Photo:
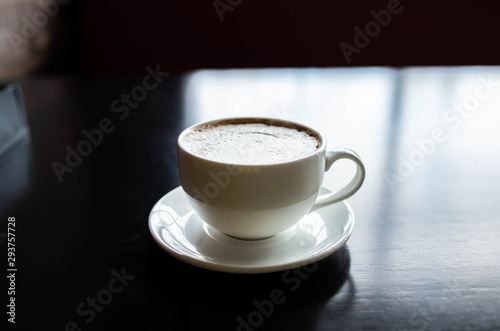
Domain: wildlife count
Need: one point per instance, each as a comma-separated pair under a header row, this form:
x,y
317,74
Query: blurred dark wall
x,y
125,36
66,54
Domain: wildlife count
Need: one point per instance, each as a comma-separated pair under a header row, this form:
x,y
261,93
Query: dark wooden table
x,y
423,255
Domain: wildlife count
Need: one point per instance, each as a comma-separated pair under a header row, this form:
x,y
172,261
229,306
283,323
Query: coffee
x,y
253,192
251,143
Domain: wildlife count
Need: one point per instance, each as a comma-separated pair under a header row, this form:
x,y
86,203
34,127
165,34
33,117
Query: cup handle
x,y
349,189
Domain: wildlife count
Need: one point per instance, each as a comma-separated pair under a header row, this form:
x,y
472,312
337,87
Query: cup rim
x,y
321,148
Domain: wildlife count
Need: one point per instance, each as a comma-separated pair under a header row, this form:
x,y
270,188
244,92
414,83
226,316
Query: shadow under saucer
x,y
287,299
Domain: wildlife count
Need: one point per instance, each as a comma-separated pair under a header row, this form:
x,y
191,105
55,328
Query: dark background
x,y
423,259
107,37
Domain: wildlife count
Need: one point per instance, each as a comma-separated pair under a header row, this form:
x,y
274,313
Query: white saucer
x,y
182,234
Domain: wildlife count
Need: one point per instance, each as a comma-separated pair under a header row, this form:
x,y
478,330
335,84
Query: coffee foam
x,y
250,143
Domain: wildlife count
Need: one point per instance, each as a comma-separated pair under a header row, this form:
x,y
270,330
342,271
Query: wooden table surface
x,y
423,254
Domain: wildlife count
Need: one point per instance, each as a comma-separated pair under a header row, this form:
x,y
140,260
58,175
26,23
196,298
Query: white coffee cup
x,y
258,201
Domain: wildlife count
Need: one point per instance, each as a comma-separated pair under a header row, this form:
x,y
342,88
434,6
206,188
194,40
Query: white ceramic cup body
x,y
256,201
